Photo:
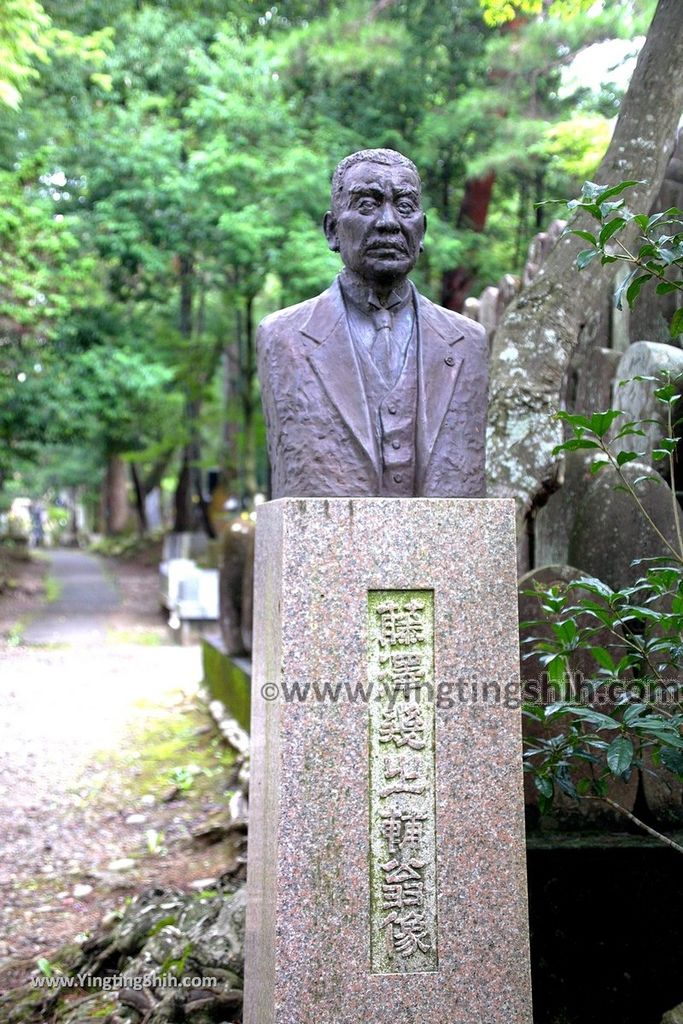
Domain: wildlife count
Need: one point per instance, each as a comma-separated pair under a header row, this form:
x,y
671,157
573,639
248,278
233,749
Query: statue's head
x,y
376,221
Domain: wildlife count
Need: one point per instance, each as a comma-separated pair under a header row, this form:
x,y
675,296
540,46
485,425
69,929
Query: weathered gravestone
x,y
234,546
554,520
637,397
651,315
594,525
489,309
594,379
386,843
248,594
609,531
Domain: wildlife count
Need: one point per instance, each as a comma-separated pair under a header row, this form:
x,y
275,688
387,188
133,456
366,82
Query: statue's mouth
x,y
394,249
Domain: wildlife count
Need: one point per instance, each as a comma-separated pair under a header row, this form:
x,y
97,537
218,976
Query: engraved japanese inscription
x,y
403,916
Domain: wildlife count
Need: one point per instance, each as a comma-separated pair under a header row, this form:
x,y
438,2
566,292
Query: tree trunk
x,y
115,497
184,511
139,492
542,329
474,209
229,466
156,473
186,270
75,525
191,508
248,403
194,452
184,518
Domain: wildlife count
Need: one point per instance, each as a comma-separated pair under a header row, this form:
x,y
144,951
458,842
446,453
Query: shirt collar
x,y
357,291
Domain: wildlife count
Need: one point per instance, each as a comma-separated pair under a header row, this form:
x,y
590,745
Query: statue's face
x,y
378,224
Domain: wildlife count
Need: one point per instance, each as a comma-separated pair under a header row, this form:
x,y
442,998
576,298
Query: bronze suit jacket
x,y
320,436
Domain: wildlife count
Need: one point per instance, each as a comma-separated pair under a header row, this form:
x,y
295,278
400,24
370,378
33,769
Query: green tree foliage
x,y
23,42
29,41
166,173
46,275
497,12
46,272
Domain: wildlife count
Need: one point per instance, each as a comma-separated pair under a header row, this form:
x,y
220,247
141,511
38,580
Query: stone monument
x,y
386,876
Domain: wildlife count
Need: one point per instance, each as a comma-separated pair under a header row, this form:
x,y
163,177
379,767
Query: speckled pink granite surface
x,y
308,930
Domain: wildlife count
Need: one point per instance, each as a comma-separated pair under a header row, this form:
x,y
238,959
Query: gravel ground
x,y
94,729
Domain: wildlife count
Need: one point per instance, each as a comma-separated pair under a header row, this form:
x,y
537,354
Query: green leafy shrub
x,y
628,715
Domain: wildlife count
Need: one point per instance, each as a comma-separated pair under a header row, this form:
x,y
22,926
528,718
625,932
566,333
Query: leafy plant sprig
x,y
656,253
628,715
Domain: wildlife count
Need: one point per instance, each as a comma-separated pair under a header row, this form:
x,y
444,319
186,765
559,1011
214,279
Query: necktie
x,y
383,348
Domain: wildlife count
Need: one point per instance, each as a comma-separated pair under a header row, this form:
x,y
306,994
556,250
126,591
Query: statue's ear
x,y
330,229
424,232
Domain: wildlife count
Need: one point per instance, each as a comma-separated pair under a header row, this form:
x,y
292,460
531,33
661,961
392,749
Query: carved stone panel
x,y
402,782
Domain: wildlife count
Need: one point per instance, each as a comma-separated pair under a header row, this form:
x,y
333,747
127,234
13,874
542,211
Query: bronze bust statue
x,y
370,389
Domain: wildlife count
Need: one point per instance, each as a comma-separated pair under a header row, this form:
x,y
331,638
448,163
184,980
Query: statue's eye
x,y
366,205
405,206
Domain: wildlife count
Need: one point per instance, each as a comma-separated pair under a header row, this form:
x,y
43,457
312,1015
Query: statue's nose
x,y
387,217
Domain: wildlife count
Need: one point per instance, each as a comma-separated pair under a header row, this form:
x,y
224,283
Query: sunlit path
x,y
91,725
85,595
70,726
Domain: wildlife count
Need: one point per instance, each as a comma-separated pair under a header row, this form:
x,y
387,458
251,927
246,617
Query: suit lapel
x,y
334,363
439,366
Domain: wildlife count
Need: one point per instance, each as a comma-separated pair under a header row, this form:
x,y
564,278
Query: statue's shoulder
x,y
447,321
284,320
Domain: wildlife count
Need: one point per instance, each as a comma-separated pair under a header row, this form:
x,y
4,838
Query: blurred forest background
x,y
164,169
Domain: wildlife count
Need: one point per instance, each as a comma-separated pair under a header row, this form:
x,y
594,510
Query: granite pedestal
x,y
386,878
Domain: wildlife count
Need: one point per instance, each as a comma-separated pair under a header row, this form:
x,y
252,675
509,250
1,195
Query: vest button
x,y
398,478
449,361
392,409
396,445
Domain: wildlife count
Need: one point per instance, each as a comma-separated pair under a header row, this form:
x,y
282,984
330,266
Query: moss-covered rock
x,y
169,956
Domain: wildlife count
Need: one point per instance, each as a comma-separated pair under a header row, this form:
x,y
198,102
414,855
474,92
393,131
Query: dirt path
x,y
109,762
